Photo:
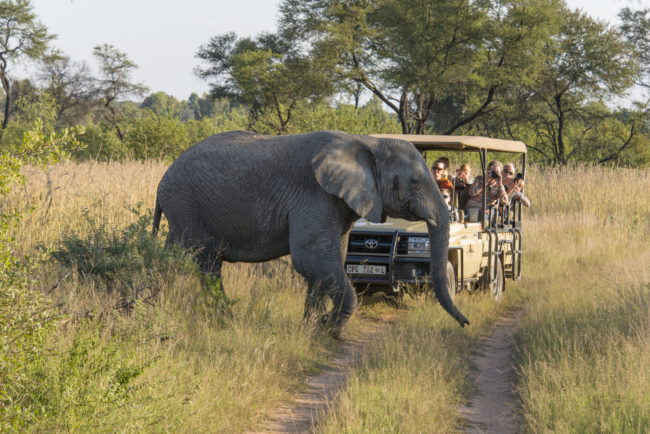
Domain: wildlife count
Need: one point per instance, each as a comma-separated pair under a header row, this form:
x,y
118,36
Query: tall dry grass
x,y
147,349
141,346
69,197
585,342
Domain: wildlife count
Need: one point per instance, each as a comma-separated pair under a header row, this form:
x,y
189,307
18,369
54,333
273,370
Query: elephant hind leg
x,y
210,260
208,254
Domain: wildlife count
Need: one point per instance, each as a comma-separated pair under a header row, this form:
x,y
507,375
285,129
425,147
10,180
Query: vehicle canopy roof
x,y
457,143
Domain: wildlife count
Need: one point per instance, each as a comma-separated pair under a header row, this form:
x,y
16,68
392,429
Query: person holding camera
x,y
496,191
514,185
463,178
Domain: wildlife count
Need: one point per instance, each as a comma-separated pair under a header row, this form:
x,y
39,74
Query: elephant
x,y
240,196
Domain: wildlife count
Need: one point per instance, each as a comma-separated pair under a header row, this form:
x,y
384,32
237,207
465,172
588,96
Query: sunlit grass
x,y
584,341
415,376
141,346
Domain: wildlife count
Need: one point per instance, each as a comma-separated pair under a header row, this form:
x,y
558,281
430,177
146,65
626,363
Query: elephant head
x,y
383,177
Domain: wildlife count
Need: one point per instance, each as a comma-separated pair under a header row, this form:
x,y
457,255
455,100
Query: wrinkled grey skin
x,y
238,196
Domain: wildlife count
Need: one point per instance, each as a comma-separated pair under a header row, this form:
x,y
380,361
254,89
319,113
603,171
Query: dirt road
x,y
492,408
310,406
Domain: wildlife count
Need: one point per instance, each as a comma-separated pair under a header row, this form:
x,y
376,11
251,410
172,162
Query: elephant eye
x,y
415,182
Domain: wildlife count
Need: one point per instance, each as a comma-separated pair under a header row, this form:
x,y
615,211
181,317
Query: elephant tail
x,y
156,218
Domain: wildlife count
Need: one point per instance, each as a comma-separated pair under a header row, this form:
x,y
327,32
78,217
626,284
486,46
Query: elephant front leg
x,y
315,305
317,251
326,277
344,303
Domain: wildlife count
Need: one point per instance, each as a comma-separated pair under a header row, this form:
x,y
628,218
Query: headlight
x,y
418,245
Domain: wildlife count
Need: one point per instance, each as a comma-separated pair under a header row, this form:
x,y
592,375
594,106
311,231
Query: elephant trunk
x,y
438,245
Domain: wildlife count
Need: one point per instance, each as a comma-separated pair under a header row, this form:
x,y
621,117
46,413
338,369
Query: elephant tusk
x,y
431,222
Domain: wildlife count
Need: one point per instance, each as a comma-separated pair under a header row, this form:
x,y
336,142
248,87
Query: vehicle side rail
x,y
460,267
493,253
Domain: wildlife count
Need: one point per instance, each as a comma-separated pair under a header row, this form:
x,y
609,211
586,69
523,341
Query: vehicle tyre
x,y
495,288
451,281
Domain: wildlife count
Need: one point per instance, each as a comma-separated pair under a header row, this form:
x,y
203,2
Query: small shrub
x,y
117,255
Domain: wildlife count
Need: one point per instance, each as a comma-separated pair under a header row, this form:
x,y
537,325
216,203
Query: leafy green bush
x,y
118,256
26,316
68,377
102,144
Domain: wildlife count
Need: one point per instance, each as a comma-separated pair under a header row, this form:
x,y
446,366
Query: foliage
x,y
635,27
102,144
21,36
266,75
437,65
156,136
369,119
26,316
513,69
36,107
162,104
586,61
115,255
115,82
72,87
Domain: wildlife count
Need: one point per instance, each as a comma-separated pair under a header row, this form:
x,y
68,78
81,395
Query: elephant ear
x,y
346,168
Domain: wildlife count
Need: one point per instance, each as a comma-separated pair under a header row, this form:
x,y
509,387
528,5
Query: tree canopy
x,y
437,65
115,83
531,70
266,75
21,36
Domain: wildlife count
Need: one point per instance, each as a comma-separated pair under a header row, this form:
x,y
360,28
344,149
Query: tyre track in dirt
x,y
310,406
493,407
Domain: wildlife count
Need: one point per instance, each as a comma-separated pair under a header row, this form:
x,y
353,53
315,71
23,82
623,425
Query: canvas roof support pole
x,y
483,154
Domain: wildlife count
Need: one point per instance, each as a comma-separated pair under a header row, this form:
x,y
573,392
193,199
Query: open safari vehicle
x,y
484,248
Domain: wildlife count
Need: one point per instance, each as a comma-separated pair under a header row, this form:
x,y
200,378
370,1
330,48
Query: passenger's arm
x,y
523,199
476,187
503,195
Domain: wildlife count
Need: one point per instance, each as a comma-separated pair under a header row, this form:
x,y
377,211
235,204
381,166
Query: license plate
x,y
366,269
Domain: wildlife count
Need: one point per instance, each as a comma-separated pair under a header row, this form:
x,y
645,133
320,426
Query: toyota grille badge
x,y
371,244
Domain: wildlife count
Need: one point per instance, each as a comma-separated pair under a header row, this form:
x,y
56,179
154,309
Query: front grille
x,y
359,243
402,246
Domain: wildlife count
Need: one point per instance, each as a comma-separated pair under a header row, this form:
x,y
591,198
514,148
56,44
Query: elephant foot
x,y
334,328
335,333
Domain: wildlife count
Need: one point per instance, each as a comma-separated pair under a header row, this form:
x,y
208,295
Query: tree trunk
x,y
6,85
561,159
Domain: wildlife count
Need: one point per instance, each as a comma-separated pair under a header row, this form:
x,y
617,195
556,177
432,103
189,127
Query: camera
x,y
494,175
519,176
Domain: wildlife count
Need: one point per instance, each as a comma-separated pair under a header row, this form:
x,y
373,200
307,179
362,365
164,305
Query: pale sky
x,y
163,36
